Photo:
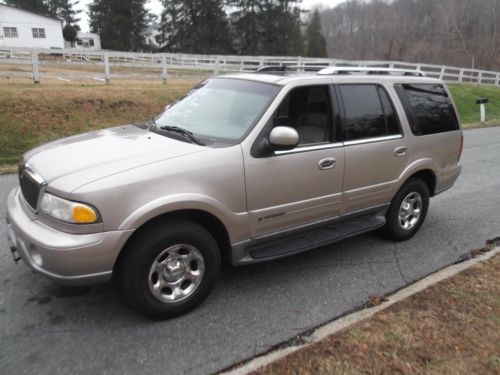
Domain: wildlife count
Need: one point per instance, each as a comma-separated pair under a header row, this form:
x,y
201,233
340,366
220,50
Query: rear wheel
x,y
407,210
169,268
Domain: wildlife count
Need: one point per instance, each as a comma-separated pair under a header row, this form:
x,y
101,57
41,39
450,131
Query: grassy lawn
x,y
452,327
34,114
465,97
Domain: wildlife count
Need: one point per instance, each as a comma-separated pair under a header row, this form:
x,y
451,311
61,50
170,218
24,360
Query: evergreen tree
x,y
65,11
316,44
69,34
35,6
267,27
119,23
288,39
249,33
195,26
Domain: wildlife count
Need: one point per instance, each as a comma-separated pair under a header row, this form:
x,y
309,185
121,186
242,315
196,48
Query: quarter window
x,y
10,32
429,108
368,112
38,32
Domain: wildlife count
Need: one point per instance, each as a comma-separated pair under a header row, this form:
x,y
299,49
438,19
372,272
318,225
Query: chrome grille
x,y
30,184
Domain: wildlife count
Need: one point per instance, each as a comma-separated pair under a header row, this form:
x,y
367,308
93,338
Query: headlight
x,y
65,210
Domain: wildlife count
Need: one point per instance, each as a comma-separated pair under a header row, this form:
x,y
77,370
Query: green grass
x,y
465,97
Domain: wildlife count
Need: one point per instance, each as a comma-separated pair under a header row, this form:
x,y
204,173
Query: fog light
x,y
35,256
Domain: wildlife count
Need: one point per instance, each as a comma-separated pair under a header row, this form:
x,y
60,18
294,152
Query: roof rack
x,y
290,68
370,70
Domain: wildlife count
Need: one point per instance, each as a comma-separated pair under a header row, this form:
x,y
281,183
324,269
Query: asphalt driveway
x,y
47,329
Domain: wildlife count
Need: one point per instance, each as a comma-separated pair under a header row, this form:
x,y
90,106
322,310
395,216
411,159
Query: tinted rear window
x,y
428,108
368,112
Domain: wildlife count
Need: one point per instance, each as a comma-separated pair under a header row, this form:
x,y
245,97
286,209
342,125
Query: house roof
x,y
82,34
27,11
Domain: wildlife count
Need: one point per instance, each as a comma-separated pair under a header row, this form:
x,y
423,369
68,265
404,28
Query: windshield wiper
x,y
184,132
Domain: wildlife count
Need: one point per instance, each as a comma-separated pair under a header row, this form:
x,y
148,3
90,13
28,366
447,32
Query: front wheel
x,y
407,210
169,268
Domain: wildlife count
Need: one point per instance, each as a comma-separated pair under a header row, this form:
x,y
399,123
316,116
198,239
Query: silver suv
x,y
244,168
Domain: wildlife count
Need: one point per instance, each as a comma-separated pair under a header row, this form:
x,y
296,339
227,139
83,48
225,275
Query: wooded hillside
x,y
451,32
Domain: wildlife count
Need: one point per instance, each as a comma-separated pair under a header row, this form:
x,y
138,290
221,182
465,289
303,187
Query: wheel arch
x,y
203,218
429,177
424,169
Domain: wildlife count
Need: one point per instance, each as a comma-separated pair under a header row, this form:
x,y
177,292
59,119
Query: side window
x,y
10,32
38,32
308,110
391,121
428,108
368,112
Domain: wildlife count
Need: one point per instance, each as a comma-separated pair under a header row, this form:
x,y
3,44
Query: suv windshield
x,y
219,109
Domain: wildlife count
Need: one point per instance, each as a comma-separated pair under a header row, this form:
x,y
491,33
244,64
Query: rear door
x,y
376,150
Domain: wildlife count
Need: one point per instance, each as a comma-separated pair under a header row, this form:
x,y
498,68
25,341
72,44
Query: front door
x,y
289,189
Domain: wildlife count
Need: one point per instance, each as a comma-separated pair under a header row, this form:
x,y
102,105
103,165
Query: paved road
x,y
46,329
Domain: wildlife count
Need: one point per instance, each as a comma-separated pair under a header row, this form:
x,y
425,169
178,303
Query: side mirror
x,y
283,138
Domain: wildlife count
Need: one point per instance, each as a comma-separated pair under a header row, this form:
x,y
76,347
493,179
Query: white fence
x,y
157,65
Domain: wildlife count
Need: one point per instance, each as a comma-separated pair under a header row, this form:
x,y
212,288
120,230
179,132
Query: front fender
x,y
236,223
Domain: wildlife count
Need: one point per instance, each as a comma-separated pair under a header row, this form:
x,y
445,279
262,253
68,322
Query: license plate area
x,y
11,235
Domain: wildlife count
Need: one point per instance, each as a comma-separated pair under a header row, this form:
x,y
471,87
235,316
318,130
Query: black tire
x,y
393,228
143,251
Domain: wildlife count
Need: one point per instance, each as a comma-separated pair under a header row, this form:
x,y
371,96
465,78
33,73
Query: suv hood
x,y
71,162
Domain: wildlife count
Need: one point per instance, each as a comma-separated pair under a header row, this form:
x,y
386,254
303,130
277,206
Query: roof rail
x,y
370,70
290,68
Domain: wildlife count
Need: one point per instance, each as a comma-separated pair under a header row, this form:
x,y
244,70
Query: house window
x,y
79,42
38,32
91,42
10,32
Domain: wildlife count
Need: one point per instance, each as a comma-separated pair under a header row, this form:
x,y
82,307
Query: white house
x,y
87,41
20,28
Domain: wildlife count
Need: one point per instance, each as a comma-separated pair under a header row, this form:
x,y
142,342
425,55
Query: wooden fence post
x,y
34,65
497,83
164,67
106,68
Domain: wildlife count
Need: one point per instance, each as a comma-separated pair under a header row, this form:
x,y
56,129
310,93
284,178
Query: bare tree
x,y
451,32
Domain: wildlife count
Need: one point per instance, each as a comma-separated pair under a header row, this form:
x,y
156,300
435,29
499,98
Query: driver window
x,y
308,110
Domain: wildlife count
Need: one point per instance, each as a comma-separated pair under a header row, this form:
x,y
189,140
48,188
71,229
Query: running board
x,y
314,238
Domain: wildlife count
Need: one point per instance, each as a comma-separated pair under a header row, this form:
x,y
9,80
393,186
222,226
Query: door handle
x,y
327,163
400,151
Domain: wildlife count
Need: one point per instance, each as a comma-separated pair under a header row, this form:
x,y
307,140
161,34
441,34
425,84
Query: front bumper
x,y
71,259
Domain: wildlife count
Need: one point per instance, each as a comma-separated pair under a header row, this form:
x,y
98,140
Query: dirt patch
x,y
452,327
